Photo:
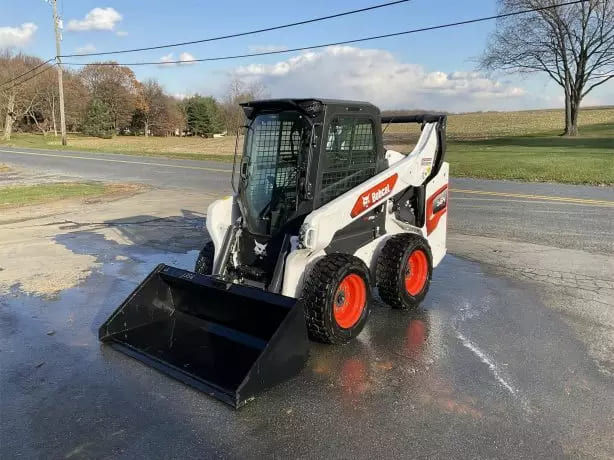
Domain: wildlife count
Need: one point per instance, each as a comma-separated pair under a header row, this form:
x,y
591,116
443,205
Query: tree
x,y
573,45
175,119
156,113
45,104
114,85
98,120
203,115
77,99
17,99
239,92
151,107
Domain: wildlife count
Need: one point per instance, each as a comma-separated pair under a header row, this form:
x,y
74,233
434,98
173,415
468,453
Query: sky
x,y
434,70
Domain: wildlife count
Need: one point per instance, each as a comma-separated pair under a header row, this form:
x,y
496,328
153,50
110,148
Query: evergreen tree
x,y
203,115
98,120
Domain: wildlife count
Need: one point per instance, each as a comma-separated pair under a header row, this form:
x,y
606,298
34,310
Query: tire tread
x,y
389,265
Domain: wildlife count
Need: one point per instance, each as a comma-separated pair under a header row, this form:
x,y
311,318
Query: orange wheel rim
x,y
349,301
417,272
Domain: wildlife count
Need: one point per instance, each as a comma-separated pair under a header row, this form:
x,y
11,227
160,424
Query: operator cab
x,y
298,155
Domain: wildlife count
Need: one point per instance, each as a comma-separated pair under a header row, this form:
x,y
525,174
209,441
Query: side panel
x,y
435,228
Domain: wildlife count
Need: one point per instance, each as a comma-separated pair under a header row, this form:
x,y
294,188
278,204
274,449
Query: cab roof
x,y
297,102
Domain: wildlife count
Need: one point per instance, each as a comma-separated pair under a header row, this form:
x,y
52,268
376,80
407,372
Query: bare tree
x,y
572,44
42,112
237,92
18,98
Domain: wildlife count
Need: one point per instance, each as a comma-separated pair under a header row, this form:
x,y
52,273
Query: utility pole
x,y
58,61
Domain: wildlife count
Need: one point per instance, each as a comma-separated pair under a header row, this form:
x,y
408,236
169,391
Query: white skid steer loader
x,y
321,215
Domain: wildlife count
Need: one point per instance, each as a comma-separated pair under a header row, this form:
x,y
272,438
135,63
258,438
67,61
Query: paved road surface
x,y
568,216
509,356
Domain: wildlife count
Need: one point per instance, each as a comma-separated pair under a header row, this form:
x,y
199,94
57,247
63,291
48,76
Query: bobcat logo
x,y
260,249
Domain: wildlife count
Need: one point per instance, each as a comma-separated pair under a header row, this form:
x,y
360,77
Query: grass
x,y
495,145
181,148
488,125
585,160
23,195
524,146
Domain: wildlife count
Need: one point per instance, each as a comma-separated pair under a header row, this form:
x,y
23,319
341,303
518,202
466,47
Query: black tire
x,y
393,267
204,263
322,291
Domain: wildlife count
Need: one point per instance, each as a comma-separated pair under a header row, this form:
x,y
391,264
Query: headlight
x,y
440,201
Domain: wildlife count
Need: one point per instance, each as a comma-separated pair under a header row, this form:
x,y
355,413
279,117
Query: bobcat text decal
x,y
374,195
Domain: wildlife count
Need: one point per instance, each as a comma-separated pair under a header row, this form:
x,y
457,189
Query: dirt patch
x,y
36,242
4,168
114,192
42,267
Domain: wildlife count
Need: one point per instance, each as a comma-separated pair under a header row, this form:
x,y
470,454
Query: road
x,y
567,216
509,356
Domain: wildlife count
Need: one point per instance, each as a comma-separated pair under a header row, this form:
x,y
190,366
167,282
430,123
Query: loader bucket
x,y
227,340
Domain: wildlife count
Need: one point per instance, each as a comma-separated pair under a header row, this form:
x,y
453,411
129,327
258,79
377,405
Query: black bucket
x,y
227,340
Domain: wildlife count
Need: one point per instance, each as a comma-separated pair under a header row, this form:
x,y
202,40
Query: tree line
x,y
105,100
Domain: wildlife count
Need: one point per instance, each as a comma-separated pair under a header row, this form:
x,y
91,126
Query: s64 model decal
x,y
374,195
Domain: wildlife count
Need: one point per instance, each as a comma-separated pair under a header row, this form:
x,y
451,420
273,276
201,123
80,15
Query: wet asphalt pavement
x,y
482,370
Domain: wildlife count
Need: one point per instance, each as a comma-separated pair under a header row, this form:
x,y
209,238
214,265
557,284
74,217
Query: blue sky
x,y
434,70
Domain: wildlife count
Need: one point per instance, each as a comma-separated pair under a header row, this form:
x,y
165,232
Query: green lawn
x,y
588,159
21,195
179,148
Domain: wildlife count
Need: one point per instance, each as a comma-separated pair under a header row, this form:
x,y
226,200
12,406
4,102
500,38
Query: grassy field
x,y
497,145
487,125
585,160
183,148
23,195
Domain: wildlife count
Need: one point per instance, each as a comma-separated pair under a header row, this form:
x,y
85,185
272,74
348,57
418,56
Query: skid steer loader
x,y
320,216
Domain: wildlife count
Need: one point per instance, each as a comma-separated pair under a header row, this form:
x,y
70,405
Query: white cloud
x,y
169,60
121,33
186,57
379,77
266,48
87,48
17,36
97,19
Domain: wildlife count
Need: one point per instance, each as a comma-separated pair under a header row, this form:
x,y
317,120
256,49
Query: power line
x,y
344,42
27,72
242,34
